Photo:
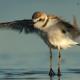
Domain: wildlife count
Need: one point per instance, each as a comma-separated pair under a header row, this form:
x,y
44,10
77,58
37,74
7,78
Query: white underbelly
x,y
62,42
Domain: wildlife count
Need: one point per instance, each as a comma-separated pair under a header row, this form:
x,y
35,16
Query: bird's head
x,y
39,19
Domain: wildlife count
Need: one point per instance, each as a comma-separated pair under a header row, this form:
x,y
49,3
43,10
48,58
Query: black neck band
x,y
45,22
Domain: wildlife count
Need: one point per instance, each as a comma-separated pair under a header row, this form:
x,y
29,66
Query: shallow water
x,y
22,74
14,67
32,61
26,57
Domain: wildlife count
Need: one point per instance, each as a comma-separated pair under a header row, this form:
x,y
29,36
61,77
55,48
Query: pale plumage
x,y
58,34
55,32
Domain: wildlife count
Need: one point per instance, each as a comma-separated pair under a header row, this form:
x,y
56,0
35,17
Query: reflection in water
x,y
18,74
23,74
58,77
51,78
77,71
58,74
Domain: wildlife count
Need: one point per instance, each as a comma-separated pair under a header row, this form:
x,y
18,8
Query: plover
x,y
55,32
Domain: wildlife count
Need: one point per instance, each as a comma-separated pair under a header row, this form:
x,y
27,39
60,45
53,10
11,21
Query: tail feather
x,y
77,29
75,24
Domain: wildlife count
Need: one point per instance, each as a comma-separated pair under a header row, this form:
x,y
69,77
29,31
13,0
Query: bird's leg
x,y
59,61
51,72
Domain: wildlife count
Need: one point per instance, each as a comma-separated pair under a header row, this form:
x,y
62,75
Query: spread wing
x,y
19,25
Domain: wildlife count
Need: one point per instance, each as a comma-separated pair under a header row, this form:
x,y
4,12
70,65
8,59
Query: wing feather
x,y
67,27
20,25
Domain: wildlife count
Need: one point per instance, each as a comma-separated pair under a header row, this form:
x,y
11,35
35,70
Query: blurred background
x,y
22,51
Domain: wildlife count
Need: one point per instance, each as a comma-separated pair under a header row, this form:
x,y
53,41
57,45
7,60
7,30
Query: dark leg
x,y
59,62
51,72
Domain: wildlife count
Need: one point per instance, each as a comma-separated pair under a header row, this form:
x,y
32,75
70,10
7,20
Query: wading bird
x,y
55,32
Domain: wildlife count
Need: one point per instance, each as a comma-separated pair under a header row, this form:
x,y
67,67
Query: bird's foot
x,y
51,72
59,72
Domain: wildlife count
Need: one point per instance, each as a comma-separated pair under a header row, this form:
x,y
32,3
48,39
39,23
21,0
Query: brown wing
x,y
73,31
20,25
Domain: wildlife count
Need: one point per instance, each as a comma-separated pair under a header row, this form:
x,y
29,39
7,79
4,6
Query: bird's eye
x,y
41,19
63,31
